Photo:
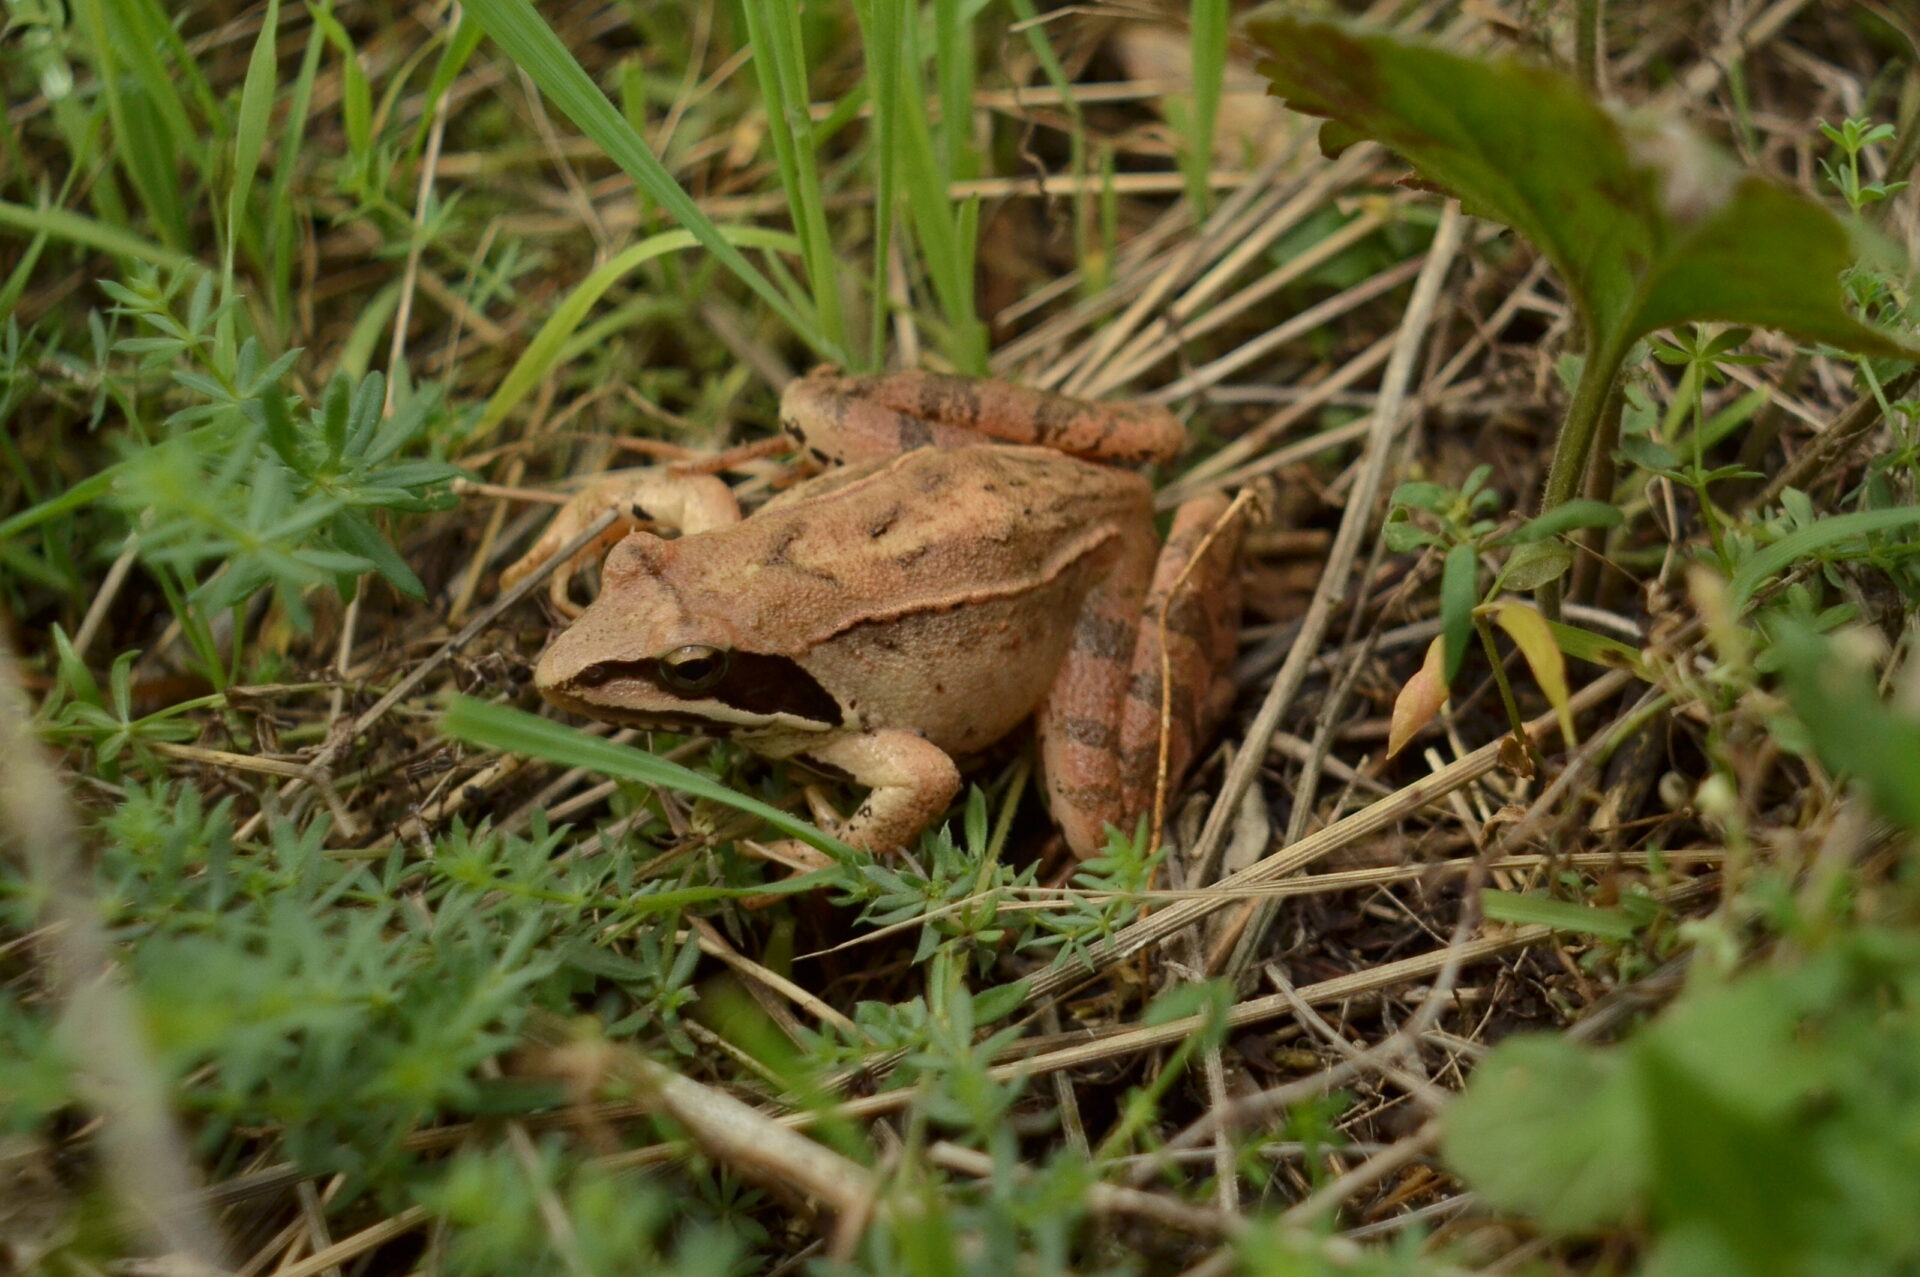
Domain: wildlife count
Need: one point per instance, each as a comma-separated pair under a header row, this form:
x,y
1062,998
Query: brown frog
x,y
929,593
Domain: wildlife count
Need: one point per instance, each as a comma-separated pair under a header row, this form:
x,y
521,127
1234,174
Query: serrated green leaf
x,y
1553,1130
1649,224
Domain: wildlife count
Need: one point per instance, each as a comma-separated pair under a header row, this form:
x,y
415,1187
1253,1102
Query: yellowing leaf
x,y
1420,699
1532,634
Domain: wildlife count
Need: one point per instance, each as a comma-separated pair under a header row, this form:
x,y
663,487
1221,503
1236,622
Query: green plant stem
x,y
1515,724
1588,17
1906,148
1575,444
1602,475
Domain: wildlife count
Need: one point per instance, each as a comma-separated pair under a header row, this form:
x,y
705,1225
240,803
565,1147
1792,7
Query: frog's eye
x,y
693,668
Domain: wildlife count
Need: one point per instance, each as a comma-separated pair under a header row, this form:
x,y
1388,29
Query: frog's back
x,y
926,532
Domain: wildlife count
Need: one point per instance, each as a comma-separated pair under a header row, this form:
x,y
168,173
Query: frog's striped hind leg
x,y
841,419
1079,725
1100,731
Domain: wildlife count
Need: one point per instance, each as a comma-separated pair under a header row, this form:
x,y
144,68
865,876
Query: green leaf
x,y
1561,915
1647,222
999,1002
1649,454
77,228
1809,540
1578,513
1853,730
1534,564
1401,536
1534,637
780,63
1431,497
1585,645
1553,1130
357,534
250,131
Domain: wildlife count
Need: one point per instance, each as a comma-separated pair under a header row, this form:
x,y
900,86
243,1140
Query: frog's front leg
x,y
842,419
1101,726
910,779
685,502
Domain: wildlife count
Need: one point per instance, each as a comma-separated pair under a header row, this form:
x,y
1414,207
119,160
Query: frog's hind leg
x,y
844,419
1103,764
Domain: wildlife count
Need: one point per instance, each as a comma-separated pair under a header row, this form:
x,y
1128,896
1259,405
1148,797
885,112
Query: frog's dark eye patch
x,y
760,684
750,682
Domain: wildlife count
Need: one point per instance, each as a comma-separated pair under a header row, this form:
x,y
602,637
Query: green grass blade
x,y
459,47
144,37
953,69
78,228
356,96
140,140
1084,249
780,64
498,727
542,354
1208,53
148,31
880,34
531,43
949,256
283,230
250,133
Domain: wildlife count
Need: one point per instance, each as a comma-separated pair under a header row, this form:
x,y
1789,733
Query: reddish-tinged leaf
x,y
1420,699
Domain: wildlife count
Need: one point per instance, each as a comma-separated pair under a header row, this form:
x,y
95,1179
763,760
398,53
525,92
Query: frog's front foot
x,y
911,781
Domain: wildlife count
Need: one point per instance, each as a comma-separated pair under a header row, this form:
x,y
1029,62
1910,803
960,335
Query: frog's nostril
x,y
597,673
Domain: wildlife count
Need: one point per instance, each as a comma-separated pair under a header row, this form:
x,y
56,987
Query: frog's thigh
x,y
843,419
1116,431
912,781
1108,769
